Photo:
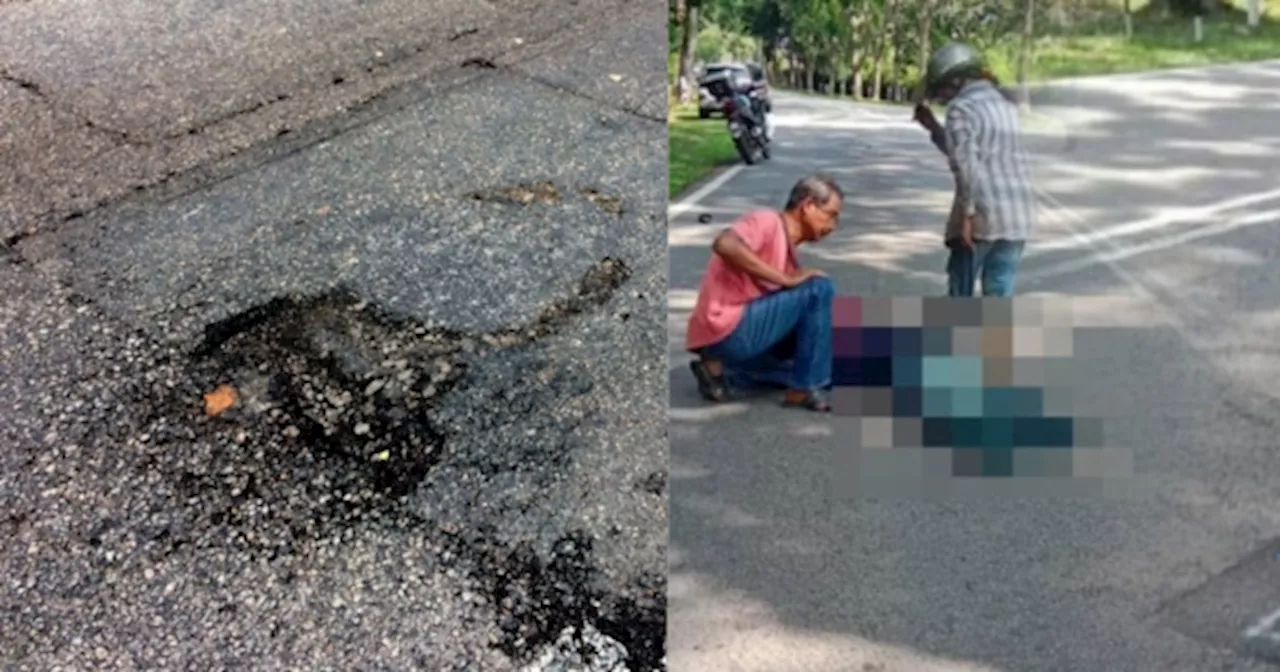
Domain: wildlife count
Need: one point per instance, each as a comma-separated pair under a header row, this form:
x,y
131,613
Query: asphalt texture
x,y
420,248
1156,207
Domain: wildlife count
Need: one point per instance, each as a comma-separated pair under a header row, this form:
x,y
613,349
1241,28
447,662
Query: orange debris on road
x,y
219,400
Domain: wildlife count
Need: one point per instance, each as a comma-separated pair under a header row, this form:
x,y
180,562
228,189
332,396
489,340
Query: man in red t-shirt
x,y
761,317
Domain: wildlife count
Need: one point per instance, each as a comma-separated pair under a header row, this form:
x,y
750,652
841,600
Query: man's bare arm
x,y
924,116
737,254
939,138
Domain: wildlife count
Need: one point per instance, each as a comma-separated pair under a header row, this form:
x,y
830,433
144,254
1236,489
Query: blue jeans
x,y
784,339
995,260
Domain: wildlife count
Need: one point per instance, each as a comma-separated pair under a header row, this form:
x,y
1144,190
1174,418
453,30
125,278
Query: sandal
x,y
710,386
813,401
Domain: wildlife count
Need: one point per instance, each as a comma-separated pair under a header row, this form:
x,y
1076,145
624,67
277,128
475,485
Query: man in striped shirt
x,y
994,212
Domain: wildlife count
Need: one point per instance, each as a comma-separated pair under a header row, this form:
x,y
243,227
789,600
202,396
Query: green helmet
x,y
956,59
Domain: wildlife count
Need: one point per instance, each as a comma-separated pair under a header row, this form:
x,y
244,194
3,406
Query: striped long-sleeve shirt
x,y
993,178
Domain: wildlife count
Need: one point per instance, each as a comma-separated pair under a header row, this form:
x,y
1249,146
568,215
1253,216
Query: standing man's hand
x,y
962,239
924,116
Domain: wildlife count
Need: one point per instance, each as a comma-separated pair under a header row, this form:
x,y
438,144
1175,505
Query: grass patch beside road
x,y
1155,45
695,147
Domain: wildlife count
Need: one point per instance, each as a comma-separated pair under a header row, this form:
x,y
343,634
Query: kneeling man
x,y
760,318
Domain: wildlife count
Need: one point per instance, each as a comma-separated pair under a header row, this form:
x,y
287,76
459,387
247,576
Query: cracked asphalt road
x,y
92,114
425,248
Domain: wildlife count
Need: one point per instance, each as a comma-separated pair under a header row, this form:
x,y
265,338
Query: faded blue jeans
x,y
995,261
783,340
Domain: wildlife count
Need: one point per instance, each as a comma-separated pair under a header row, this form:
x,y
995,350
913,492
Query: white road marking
x,y
1173,319
691,201
1121,252
1165,219
1265,628
192,213
1073,222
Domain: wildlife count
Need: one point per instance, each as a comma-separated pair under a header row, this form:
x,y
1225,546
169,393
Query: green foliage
x,y
717,44
1072,36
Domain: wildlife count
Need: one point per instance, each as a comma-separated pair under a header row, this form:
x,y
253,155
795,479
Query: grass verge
x,y
695,148
1155,45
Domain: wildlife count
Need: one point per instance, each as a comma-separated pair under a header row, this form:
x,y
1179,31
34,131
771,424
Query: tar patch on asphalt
x,y
542,193
332,423
545,193
332,427
1236,609
606,202
541,603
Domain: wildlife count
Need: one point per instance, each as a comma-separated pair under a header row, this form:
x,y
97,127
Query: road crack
x,y
32,87
569,91
490,64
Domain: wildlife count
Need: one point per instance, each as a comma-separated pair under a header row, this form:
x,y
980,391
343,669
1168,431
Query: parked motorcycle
x,y
747,126
746,114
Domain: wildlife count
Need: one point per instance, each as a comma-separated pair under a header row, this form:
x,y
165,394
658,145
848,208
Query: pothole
x,y
553,614
581,649
543,193
610,204
331,420
336,416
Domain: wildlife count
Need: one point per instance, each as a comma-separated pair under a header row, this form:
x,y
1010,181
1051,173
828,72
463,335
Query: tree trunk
x,y
1024,55
1128,19
893,69
925,38
883,40
810,76
857,52
856,59
1060,14
688,47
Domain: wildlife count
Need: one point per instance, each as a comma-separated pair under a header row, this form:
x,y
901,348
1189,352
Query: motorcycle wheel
x,y
746,150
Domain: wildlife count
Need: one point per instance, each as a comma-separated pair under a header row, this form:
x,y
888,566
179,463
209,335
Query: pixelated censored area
x,y
931,390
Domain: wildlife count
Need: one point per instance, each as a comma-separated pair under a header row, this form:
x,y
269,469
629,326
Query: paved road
x,y
438,297
1160,202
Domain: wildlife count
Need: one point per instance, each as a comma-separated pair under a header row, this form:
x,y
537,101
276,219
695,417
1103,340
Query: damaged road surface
x,y
332,419
393,398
